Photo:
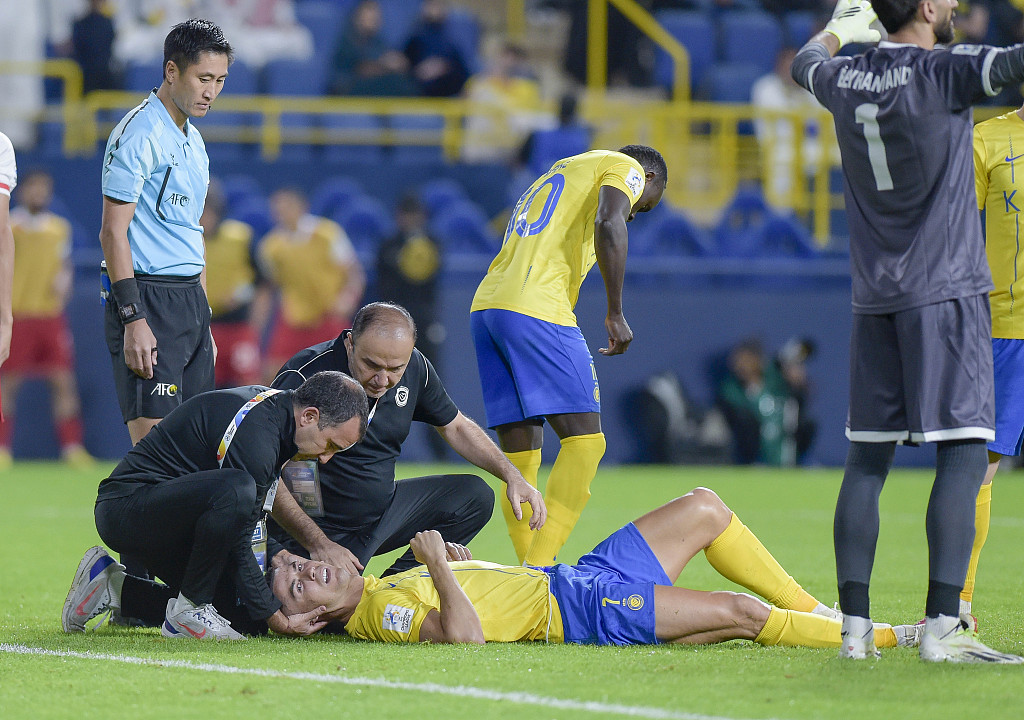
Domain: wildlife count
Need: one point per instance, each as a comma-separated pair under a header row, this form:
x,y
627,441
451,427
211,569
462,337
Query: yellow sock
x,y
739,556
982,518
528,463
567,492
800,629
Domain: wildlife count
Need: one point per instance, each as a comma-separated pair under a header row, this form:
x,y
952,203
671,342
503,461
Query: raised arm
x,y
850,23
457,620
6,276
470,441
610,244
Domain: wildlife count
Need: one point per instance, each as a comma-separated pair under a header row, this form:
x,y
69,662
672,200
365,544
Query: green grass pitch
x,y
112,673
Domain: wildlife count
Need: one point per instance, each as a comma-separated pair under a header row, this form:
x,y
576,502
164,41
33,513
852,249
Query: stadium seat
x,y
239,189
334,195
750,37
367,222
730,82
428,126
399,18
143,77
463,228
254,212
347,128
241,80
438,194
296,77
747,211
550,146
325,19
463,28
669,234
295,131
696,31
799,26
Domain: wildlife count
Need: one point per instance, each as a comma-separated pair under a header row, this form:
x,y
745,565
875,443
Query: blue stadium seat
x,y
241,80
334,195
296,127
783,236
439,193
239,189
669,233
254,212
399,18
751,37
296,77
550,146
325,19
696,31
367,222
354,126
463,228
429,125
747,211
730,82
799,26
463,28
143,77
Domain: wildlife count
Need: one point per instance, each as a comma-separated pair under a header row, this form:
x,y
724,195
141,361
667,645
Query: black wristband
x,y
127,300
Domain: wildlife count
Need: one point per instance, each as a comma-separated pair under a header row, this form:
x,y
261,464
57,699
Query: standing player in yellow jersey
x,y
42,345
534,362
998,159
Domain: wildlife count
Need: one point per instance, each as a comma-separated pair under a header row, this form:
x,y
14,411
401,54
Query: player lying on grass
x,y
622,593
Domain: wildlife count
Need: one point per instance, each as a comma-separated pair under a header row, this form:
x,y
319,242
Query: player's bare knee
x,y
710,509
749,613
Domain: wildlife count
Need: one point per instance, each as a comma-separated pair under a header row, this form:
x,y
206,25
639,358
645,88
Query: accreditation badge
x,y
303,480
259,543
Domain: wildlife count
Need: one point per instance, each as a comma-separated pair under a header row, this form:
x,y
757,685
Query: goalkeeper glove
x,y
850,22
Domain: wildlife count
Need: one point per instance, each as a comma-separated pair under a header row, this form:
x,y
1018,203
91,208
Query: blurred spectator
x,y
315,268
231,281
92,47
438,66
141,26
777,92
408,270
972,20
261,30
504,106
791,362
41,344
1005,27
364,63
21,40
760,406
630,61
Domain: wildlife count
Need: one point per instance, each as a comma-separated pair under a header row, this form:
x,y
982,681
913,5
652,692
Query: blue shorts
x,y
1008,363
531,368
607,598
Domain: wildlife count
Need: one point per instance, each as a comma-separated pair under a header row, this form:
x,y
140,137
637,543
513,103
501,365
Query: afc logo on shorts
x,y
165,390
401,396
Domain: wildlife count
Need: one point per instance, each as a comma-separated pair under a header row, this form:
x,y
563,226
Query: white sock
x,y
114,584
941,626
965,607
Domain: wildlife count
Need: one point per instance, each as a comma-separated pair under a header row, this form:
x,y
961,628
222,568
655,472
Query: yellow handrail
x,y
70,75
597,45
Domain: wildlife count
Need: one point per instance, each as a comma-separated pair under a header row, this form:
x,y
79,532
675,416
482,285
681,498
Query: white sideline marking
x,y
521,698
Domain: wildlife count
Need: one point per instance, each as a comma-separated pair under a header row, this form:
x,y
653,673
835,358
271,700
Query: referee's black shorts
x,y
179,316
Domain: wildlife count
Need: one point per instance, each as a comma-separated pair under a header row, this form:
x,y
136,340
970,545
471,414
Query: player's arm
x,y
355,278
850,23
610,243
457,620
6,276
289,515
470,441
140,351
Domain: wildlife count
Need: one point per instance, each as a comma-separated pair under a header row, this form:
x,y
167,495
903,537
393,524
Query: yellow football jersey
x,y
998,158
513,603
310,266
42,244
230,276
549,244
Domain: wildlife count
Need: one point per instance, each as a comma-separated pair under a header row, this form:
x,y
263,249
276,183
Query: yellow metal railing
x,y
70,75
597,45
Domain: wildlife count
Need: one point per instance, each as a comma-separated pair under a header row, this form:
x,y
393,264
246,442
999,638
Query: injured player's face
x,y
303,585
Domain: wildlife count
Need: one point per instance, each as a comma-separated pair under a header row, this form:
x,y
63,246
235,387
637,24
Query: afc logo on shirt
x,y
397,618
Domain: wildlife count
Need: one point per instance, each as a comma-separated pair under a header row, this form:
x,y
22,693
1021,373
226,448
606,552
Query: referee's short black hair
x,y
379,313
338,397
649,158
188,40
894,14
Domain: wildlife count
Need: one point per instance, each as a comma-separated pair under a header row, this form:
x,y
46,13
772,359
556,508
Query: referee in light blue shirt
x,y
155,175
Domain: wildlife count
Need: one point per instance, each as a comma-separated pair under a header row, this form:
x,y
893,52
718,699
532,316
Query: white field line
x,y
521,698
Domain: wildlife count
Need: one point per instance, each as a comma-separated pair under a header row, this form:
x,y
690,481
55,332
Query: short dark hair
x,y
649,158
379,313
338,397
894,14
188,40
